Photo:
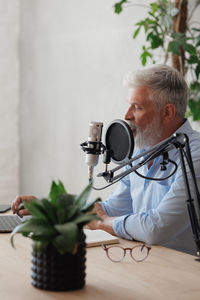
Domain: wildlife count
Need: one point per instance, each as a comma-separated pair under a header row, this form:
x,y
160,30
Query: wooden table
x,y
166,274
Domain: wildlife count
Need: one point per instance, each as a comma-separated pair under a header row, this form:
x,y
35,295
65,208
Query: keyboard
x,y
9,222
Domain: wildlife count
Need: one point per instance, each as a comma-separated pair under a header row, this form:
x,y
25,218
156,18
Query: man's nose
x,y
129,114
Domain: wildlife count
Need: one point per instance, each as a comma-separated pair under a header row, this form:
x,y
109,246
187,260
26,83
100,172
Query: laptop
x,y
9,222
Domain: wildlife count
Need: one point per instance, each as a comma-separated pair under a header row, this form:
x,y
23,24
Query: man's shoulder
x,y
194,137
194,141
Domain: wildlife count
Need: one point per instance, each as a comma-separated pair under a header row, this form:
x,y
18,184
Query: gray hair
x,y
167,84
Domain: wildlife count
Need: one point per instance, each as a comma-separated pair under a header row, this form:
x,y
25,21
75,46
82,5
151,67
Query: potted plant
x,y
171,32
56,229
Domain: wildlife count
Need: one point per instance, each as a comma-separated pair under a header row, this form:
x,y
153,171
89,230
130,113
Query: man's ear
x,y
169,113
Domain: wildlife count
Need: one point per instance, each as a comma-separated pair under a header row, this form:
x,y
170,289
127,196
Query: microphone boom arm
x,y
178,141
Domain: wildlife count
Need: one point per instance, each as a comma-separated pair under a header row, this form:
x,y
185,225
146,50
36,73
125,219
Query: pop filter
x,y
119,141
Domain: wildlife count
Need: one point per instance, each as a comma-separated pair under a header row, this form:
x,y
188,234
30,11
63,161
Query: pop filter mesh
x,y
119,141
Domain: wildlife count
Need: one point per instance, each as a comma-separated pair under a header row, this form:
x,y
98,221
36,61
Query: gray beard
x,y
149,136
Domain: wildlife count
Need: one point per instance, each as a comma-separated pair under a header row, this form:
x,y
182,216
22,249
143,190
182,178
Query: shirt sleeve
x,y
170,218
119,202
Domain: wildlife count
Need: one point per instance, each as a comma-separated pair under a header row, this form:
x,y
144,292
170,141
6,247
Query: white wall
x,y
9,100
74,55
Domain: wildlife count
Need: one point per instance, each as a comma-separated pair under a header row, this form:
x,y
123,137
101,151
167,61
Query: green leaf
x,y
50,210
69,230
37,226
68,238
155,40
151,22
144,56
178,42
65,200
197,41
33,225
82,198
56,191
61,215
141,23
195,29
72,211
195,86
193,59
118,6
154,7
62,245
174,47
136,32
197,70
16,229
38,246
189,48
35,208
195,109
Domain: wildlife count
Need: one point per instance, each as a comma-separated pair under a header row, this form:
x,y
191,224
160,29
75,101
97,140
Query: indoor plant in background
x,y
56,228
171,33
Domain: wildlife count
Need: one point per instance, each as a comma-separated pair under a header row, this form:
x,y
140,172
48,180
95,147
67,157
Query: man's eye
x,y
136,107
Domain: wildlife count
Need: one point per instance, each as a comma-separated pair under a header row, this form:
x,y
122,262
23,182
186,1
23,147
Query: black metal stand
x,y
178,141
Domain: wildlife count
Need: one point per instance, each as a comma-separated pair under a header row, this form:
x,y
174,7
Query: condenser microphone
x,y
93,146
118,148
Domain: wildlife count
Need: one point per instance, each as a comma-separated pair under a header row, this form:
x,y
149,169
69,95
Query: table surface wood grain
x,y
165,274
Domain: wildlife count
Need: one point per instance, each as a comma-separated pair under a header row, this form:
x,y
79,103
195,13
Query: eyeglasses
x,y
117,253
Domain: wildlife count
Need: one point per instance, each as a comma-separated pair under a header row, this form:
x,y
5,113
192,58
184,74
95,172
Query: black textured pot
x,y
58,272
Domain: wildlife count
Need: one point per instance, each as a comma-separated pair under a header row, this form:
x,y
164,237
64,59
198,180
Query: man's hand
x,y
17,203
106,222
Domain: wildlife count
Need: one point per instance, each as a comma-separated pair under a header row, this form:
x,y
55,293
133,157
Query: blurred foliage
x,y
168,28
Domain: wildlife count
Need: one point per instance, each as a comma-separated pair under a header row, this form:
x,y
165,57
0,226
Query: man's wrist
x,y
107,225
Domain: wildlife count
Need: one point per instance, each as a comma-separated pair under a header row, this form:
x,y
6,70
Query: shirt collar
x,y
185,128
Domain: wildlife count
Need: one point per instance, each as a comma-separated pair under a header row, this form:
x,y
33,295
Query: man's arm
x,y
106,222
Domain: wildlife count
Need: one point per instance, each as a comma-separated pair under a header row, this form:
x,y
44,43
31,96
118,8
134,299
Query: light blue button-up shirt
x,y
155,212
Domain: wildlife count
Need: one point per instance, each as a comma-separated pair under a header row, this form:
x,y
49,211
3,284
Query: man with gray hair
x,y
154,212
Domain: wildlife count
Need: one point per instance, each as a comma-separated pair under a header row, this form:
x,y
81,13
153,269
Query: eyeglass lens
x,y
138,253
116,253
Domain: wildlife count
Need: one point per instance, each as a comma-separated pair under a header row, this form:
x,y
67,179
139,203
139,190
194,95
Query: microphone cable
x,y
145,177
160,179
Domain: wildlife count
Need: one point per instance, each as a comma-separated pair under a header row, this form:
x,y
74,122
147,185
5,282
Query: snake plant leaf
x,y
50,211
61,215
15,230
36,225
68,238
38,237
72,211
58,220
65,200
56,191
62,245
69,230
39,245
81,199
31,226
36,209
